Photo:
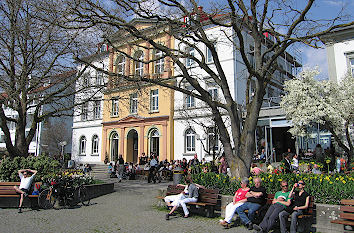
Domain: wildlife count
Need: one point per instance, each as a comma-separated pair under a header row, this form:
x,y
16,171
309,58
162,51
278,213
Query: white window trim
x,y
154,101
115,107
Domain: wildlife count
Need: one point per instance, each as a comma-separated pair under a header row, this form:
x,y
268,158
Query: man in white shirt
x,y
25,185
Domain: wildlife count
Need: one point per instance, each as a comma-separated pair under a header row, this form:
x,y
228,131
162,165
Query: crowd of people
x,y
156,168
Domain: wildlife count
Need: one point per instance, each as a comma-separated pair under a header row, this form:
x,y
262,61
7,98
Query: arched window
x,y
94,145
138,64
154,141
82,149
120,63
114,145
213,139
189,140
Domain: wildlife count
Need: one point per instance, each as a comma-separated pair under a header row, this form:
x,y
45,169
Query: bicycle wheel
x,y
46,199
84,196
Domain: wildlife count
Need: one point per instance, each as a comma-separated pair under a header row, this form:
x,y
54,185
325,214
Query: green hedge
x,y
328,189
45,166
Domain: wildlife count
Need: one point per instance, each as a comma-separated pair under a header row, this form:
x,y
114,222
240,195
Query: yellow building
x,y
138,118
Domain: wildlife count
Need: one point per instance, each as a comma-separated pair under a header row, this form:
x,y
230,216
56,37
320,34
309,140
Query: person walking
x,y
120,169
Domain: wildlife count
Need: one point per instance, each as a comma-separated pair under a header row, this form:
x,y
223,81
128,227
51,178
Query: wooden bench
x,y
309,211
346,213
208,198
10,198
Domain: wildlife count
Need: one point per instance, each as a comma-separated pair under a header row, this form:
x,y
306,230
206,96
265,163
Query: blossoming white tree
x,y
309,101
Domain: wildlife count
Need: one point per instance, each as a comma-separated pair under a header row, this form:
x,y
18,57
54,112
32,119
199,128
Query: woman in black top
x,y
300,203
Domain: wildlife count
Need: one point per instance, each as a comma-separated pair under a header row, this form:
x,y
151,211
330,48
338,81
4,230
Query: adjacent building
x,y
195,130
340,52
88,114
138,117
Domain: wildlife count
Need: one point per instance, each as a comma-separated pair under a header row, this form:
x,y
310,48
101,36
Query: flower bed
x,y
327,189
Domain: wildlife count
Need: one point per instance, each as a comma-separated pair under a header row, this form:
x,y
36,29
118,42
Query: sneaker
x,y
25,195
167,216
249,226
19,210
257,228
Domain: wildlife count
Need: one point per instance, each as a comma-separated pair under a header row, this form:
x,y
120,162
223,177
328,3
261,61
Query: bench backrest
x,y
210,196
270,198
7,187
347,209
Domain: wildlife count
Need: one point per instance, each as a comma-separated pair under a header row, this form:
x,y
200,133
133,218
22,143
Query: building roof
x,y
339,35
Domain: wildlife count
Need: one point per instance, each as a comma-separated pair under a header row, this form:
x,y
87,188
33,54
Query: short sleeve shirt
x,y
240,194
25,182
285,196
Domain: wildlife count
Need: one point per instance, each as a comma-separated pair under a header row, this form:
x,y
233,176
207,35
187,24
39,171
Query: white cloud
x,y
313,58
334,3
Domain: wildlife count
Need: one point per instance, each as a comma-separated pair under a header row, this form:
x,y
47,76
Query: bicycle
x,y
65,191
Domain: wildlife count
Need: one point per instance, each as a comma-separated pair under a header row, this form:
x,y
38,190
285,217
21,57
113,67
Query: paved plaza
x,y
129,209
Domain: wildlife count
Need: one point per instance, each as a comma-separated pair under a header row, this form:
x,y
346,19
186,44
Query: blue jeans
x,y
251,207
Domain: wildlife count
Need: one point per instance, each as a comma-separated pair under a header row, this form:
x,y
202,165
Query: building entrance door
x,y
132,146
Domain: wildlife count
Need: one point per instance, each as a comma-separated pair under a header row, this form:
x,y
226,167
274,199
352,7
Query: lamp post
x,y
62,144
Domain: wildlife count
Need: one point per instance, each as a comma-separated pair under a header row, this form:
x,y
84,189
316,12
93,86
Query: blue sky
x,y
324,9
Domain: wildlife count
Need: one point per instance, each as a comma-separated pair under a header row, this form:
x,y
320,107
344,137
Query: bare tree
x,y
288,21
35,63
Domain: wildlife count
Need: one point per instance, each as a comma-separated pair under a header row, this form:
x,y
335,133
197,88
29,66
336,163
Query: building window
x,y
84,111
139,65
2,138
189,140
159,63
213,91
82,149
154,100
189,61
114,146
134,103
85,80
209,56
115,107
213,140
97,109
189,101
120,63
99,76
95,145
154,139
351,61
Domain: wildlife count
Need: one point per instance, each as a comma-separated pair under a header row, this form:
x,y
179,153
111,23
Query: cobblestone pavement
x,y
129,209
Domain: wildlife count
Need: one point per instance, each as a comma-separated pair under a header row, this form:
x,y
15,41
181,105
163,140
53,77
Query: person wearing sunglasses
x,y
280,202
299,205
25,184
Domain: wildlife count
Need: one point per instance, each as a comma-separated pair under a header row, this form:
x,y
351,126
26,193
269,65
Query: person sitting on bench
x,y
299,204
256,198
238,200
280,202
189,194
25,184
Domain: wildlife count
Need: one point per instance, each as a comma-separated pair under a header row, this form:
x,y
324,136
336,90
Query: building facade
x,y
195,130
87,121
138,118
340,52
